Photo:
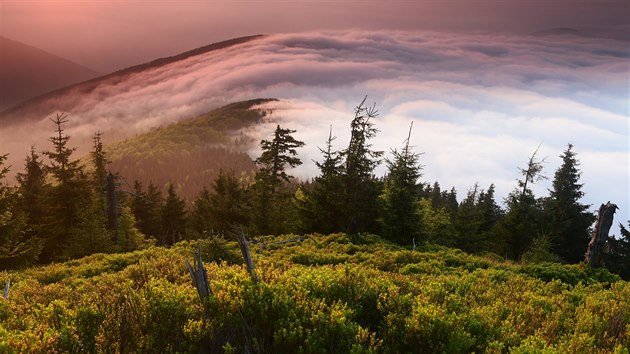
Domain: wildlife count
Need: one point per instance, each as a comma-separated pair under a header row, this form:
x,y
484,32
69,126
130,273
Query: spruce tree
x,y
400,216
219,211
17,247
522,222
569,220
323,207
271,202
617,258
362,188
33,188
70,190
173,218
147,208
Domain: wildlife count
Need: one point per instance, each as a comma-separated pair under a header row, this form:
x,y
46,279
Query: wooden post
x,y
599,236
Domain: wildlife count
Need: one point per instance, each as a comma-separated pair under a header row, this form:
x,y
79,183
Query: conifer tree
x,y
400,216
522,221
173,218
17,248
33,188
270,200
100,161
617,258
70,190
569,220
217,212
147,209
323,209
361,186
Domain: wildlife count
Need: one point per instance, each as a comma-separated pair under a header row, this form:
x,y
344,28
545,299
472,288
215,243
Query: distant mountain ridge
x,y
35,106
27,71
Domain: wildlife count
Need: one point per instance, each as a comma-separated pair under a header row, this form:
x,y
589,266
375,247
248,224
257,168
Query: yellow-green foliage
x,y
326,294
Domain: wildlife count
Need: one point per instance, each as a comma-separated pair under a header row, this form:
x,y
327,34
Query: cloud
x,y
480,103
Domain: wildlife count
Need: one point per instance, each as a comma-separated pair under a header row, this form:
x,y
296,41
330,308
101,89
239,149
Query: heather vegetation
x,y
445,274
336,294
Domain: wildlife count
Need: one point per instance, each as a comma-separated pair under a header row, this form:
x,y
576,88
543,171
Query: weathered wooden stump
x,y
599,236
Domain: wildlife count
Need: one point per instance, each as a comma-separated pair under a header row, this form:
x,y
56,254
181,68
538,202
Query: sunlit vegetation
x,y
337,293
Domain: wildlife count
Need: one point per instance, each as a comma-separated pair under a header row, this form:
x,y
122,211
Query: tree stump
x,y
599,236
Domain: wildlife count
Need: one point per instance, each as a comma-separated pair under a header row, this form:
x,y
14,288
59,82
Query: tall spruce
x,y
569,220
100,162
523,220
68,194
17,247
147,209
33,188
174,218
323,209
271,202
400,217
362,188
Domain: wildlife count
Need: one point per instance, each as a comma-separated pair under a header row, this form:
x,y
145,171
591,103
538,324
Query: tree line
x,y
63,209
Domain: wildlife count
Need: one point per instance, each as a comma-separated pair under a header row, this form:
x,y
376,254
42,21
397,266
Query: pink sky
x,y
110,35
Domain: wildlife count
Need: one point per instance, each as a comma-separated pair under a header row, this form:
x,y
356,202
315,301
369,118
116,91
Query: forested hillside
x,y
190,153
334,294
64,207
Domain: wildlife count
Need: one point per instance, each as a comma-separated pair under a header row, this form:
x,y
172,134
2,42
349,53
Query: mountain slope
x,y
26,72
190,153
65,99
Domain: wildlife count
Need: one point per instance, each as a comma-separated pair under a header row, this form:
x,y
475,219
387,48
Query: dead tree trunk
x,y
242,242
599,236
199,276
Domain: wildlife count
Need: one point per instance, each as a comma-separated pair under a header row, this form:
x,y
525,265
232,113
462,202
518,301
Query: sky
x,y
483,94
110,35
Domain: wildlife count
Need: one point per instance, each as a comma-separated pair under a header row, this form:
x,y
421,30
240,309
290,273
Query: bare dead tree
x,y
199,276
242,243
599,236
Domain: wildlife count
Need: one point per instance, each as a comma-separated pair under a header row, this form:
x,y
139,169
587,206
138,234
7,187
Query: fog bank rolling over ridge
x,y
480,103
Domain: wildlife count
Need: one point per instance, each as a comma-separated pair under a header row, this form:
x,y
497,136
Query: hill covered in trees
x,y
67,208
447,274
336,294
191,153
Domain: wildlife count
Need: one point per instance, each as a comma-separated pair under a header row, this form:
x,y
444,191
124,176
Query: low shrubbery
x,y
323,294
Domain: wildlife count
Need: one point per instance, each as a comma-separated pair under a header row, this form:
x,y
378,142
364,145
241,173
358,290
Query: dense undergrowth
x,y
335,294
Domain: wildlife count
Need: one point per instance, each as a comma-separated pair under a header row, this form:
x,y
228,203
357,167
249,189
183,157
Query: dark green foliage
x,y
69,193
219,211
147,209
523,219
569,221
617,257
17,247
99,161
400,217
88,234
322,208
362,188
173,218
271,204
32,190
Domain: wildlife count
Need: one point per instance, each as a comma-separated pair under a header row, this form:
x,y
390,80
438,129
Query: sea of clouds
x,y
480,103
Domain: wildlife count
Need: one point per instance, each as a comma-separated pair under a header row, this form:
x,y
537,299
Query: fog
x,y
480,103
